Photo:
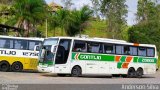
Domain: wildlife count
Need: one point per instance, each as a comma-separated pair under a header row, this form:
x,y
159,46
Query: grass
x,y
94,29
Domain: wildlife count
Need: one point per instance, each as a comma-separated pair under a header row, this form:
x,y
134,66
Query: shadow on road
x,y
26,71
91,76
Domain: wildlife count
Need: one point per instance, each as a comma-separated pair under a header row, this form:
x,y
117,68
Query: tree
x,y
67,4
96,8
28,14
62,18
147,30
6,1
146,10
78,21
53,23
4,13
115,12
145,33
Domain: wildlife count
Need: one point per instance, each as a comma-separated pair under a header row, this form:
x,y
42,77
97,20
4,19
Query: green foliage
x,y
78,21
96,29
146,10
28,14
6,1
93,29
158,63
147,30
73,22
145,33
115,12
67,4
61,17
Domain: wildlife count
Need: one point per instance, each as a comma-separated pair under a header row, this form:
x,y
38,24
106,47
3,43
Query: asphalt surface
x,y
28,77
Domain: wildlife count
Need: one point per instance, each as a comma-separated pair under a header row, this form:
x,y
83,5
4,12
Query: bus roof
x,y
24,38
114,41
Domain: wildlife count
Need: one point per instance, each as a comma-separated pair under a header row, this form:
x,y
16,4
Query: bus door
x,y
61,65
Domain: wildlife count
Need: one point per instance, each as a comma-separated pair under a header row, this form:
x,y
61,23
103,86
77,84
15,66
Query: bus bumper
x,y
45,69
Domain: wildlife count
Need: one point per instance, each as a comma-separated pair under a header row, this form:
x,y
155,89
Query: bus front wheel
x,y
76,71
4,66
17,67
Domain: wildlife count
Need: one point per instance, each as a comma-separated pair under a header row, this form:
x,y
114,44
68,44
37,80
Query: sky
x,y
132,8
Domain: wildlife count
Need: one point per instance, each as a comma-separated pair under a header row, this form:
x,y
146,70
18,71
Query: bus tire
x,y
116,75
4,66
76,71
131,73
124,75
17,67
139,72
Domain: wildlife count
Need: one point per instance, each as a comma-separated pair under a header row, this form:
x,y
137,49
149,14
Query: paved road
x,y
46,78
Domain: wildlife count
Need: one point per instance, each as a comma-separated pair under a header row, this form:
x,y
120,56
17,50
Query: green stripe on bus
x,y
47,63
105,57
123,59
119,64
147,60
98,57
73,55
135,59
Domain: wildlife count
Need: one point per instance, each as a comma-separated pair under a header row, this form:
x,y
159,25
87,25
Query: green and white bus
x,y
96,56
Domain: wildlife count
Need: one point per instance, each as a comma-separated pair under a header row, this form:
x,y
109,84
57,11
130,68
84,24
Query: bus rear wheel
x,y
139,72
4,66
17,67
76,71
131,73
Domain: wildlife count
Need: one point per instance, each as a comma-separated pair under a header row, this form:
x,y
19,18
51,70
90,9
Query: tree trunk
x,y
26,29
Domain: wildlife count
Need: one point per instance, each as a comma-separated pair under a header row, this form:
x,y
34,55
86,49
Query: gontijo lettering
x,y
148,60
4,52
90,57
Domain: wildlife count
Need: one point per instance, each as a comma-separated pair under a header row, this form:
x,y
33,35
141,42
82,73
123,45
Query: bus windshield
x,y
45,53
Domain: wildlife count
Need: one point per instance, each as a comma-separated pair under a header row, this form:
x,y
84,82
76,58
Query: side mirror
x,y
37,48
53,48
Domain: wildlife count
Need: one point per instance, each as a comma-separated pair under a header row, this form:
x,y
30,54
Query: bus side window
x,y
119,49
20,44
79,46
109,48
150,52
93,47
32,44
133,51
6,43
24,44
126,50
142,51
2,43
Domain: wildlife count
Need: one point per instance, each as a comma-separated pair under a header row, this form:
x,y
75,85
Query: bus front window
x,y
45,53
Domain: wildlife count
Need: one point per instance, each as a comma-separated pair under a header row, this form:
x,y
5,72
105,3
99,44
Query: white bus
x,y
98,56
17,53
